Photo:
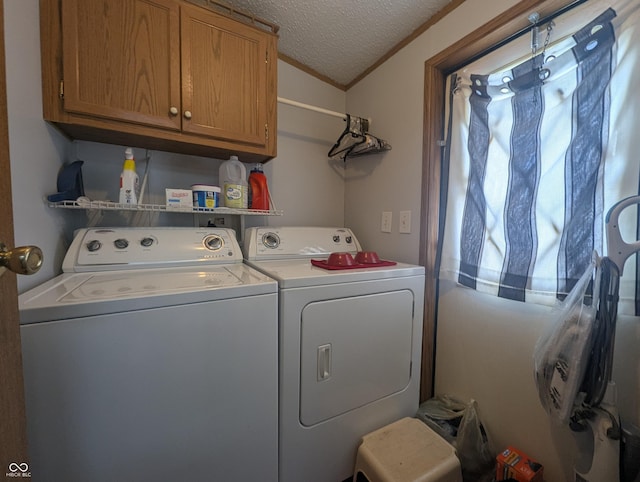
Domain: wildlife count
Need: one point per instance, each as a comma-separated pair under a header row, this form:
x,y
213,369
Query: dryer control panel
x,y
263,243
96,249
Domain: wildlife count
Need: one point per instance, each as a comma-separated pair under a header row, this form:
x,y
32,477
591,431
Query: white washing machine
x,y
350,345
153,357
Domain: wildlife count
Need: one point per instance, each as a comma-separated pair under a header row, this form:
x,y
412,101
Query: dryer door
x,y
354,351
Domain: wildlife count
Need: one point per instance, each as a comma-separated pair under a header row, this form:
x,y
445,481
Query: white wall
x,y
304,184
36,150
484,351
392,96
484,346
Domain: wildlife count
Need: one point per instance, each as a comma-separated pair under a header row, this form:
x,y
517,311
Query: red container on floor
x,y
514,464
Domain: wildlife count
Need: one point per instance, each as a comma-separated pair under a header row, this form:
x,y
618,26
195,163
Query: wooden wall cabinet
x,y
160,74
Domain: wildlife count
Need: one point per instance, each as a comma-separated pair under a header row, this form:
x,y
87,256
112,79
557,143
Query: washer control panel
x,y
297,242
96,249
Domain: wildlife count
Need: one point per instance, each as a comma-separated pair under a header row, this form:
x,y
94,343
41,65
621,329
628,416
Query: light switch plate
x,y
405,222
385,223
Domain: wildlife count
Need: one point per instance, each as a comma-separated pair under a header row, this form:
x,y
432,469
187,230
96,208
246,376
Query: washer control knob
x,y
336,238
94,245
146,242
271,240
213,242
121,243
349,239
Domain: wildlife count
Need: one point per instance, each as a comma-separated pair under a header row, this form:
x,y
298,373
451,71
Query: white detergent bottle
x,y
129,182
233,181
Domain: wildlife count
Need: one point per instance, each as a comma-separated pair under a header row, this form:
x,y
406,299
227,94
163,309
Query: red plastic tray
x,y
322,263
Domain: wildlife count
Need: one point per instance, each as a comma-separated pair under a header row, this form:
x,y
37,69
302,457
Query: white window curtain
x,y
538,148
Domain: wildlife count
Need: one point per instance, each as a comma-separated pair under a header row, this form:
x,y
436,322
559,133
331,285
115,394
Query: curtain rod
x,y
516,35
295,103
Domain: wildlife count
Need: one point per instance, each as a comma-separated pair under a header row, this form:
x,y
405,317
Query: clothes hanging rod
x,y
301,105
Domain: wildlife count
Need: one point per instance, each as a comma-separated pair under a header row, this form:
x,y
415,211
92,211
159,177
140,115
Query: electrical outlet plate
x,y
385,223
405,222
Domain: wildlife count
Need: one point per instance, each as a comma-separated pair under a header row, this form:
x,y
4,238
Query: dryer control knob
x,y
271,240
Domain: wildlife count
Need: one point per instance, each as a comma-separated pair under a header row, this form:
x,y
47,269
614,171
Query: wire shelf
x,y
111,206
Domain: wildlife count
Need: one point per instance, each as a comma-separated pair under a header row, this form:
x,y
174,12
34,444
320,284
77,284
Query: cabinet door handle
x,y
187,114
173,111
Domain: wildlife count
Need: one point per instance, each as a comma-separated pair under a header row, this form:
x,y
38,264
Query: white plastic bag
x,y
459,424
472,444
561,354
443,414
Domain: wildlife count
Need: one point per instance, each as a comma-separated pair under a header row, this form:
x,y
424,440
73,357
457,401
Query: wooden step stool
x,y
406,451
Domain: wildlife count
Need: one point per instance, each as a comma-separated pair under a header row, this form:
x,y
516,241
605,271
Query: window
x,y
516,180
537,152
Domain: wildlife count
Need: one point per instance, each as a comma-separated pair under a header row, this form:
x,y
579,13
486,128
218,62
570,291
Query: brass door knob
x,y
21,260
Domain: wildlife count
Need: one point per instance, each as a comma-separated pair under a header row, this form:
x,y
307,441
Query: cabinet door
x,y
121,60
224,77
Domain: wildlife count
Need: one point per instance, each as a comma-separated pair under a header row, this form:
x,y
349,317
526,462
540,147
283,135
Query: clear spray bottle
x,y
129,181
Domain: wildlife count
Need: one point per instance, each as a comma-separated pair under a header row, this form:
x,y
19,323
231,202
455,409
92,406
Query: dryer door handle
x,y
324,362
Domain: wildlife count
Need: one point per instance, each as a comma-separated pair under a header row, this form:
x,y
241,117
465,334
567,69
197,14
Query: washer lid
x,y
297,273
72,295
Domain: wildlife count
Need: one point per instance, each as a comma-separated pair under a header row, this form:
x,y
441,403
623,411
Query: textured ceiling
x,y
340,39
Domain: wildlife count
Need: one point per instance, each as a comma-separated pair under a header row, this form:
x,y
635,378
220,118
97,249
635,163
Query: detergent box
x,y
179,199
514,464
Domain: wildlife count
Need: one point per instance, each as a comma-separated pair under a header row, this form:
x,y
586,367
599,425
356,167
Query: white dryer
x,y
350,346
153,357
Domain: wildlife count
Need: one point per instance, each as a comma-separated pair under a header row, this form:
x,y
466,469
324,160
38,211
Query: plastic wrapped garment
x,y
561,355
